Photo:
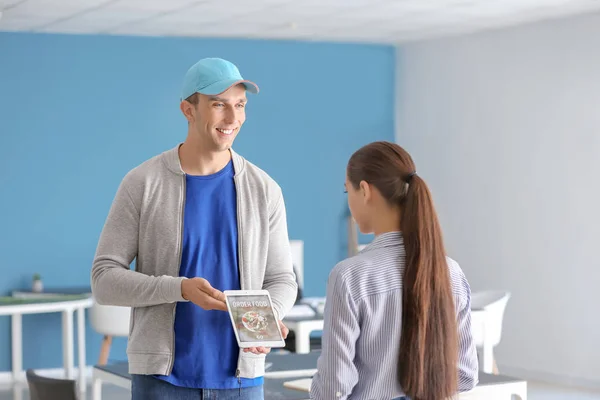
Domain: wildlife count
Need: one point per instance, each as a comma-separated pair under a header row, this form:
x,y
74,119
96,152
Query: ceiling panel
x,y
209,12
143,29
96,21
43,9
295,32
247,29
382,21
20,24
4,4
391,11
151,5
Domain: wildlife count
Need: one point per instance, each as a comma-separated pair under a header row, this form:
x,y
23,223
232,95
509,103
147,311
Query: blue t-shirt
x,y
206,351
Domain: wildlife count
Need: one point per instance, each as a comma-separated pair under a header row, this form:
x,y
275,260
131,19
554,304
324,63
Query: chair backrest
x,y
110,320
493,304
43,388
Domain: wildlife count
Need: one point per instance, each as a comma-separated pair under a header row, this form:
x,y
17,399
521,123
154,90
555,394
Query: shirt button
x,y
338,394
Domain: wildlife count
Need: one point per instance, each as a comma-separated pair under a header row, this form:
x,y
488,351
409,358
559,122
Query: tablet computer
x,y
253,318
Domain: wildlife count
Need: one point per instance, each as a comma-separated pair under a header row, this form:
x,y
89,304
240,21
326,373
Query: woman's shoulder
x,y
367,274
456,272
355,266
460,284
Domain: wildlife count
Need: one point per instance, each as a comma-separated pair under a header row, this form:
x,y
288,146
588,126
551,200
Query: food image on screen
x,y
253,318
255,321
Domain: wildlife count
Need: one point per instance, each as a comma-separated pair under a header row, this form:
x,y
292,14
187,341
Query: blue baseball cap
x,y
212,76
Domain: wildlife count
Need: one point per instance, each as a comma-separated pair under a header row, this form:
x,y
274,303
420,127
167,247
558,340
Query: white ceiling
x,y
378,21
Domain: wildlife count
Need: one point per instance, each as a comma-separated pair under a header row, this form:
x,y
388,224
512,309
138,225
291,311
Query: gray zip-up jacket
x,y
145,223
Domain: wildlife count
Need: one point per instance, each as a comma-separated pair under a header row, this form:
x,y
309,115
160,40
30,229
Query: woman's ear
x,y
365,190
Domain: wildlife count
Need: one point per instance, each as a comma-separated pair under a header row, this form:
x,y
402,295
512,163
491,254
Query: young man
x,y
199,219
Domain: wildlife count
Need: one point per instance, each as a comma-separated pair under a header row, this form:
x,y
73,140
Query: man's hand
x,y
200,292
266,350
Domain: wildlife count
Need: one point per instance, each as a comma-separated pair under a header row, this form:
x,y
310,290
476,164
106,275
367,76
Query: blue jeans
x,y
145,387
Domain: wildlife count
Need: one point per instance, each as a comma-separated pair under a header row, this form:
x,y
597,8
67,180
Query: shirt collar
x,y
387,239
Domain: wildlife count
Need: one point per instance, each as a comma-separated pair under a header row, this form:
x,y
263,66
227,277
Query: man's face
x,y
218,119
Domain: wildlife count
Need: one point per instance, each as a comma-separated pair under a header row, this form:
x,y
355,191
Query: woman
x,y
397,316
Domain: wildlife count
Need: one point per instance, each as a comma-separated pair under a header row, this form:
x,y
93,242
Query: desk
x,y
491,387
288,368
118,374
67,305
285,369
286,365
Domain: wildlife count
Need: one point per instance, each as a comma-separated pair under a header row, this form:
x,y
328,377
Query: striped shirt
x,y
362,328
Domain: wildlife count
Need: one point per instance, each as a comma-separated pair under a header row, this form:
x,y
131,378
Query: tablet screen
x,y
254,319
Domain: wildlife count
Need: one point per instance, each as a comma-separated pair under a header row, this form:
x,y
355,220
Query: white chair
x,y
494,304
109,321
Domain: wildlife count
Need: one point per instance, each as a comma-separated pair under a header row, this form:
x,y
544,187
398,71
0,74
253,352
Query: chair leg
x,y
495,367
105,350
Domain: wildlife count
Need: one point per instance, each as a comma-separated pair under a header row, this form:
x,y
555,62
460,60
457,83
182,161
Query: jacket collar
x,y
171,159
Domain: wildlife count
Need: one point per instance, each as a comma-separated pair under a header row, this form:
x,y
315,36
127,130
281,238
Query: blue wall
x,y
78,112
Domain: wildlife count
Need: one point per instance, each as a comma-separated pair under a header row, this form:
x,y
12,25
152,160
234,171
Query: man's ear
x,y
187,109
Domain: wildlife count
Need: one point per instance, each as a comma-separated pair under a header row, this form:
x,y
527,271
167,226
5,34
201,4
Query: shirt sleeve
x,y
468,365
336,373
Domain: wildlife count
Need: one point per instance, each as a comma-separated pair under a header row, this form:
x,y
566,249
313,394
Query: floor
x,y
543,391
536,391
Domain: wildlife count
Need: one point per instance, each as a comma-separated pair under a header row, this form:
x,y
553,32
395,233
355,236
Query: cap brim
x,y
221,86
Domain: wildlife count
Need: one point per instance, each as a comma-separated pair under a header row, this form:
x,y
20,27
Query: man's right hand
x,y
200,292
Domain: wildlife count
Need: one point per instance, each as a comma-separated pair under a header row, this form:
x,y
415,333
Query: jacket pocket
x,y
252,365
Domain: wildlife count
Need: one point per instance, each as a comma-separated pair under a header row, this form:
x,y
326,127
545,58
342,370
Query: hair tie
x,y
409,176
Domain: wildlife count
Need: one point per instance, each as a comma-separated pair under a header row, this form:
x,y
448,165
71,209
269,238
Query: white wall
x,y
505,127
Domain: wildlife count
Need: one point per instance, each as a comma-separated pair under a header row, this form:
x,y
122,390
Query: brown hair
x,y
193,99
428,364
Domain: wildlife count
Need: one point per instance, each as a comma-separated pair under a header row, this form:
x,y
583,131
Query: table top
x,y
275,362
12,300
293,362
273,388
11,305
489,379
303,316
278,362
53,291
120,369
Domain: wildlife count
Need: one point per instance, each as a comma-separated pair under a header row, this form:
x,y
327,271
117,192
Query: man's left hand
x,y
266,350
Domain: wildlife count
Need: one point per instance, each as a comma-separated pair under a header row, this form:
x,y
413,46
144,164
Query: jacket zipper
x,y
240,247
240,261
179,250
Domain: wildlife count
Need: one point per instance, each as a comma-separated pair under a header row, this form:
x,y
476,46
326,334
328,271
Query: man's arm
x,y
280,279
336,373
113,283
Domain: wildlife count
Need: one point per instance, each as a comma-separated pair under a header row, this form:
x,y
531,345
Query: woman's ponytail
x,y
429,342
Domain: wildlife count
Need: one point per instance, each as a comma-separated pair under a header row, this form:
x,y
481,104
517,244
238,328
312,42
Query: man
x,y
199,219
